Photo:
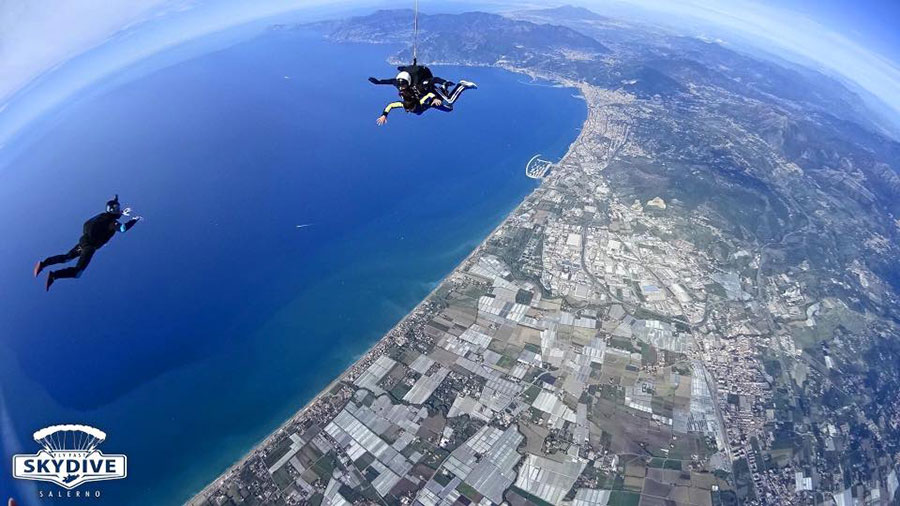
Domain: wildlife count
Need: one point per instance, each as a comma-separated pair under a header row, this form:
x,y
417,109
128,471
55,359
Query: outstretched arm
x,y
390,107
383,81
387,110
125,227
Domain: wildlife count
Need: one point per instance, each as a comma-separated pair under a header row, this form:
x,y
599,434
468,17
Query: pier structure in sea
x,y
537,167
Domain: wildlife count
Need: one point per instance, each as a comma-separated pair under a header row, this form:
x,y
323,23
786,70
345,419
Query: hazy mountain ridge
x,y
569,13
747,74
474,38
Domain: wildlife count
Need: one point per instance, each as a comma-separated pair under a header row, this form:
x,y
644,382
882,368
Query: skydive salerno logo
x,y
69,457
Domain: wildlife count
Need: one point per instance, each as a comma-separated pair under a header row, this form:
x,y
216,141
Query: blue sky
x,y
876,23
859,41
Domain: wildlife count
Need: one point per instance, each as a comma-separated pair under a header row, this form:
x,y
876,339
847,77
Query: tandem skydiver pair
x,y
421,90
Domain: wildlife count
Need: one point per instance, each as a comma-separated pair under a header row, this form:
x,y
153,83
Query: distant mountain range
x,y
583,45
473,38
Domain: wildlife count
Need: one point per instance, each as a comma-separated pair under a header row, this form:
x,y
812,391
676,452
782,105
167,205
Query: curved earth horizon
x,y
690,296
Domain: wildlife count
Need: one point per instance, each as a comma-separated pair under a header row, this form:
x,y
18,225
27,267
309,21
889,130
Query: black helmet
x,y
113,206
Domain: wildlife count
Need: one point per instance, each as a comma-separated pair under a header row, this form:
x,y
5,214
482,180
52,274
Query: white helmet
x,y
404,76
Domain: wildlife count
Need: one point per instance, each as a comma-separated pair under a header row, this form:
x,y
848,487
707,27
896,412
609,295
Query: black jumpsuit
x,y
97,231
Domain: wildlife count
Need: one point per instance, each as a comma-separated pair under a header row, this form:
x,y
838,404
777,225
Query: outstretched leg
x,y
448,98
57,259
72,272
457,91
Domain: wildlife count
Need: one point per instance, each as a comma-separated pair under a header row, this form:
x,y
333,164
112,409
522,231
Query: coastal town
x,y
610,343
578,355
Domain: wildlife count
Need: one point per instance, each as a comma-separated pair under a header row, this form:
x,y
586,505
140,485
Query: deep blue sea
x,y
193,336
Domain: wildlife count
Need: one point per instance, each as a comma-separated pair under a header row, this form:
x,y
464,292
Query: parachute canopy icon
x,y
69,438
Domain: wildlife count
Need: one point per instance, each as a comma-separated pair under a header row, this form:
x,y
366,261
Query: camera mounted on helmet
x,y
113,206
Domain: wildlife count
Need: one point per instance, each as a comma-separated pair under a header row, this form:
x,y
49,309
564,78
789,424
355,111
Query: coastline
x,y
376,349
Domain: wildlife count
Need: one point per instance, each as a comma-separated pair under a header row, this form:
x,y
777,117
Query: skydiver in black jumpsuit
x,y
421,90
97,231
